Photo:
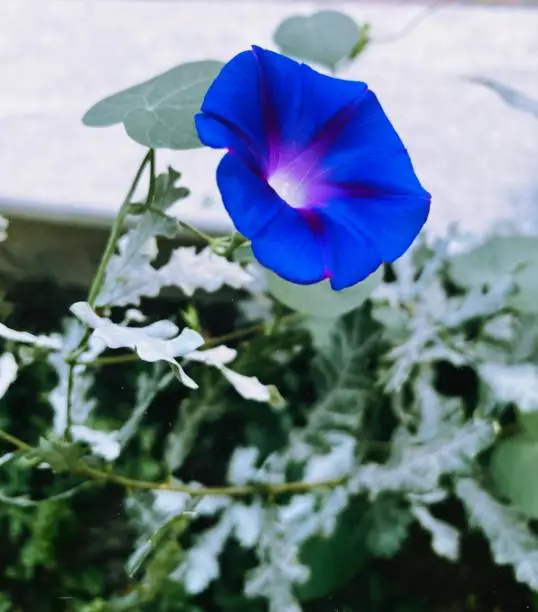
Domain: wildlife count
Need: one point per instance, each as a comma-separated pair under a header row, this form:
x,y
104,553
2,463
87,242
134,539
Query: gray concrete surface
x,y
478,157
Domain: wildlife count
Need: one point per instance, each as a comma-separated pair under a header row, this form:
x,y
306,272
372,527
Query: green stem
x,y
112,360
152,179
99,278
196,232
83,469
232,491
186,226
69,407
14,441
237,241
117,228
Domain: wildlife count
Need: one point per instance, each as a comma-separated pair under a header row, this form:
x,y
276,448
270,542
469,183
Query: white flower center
x,y
291,190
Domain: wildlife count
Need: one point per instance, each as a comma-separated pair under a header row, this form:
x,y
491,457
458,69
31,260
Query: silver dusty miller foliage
x,y
382,360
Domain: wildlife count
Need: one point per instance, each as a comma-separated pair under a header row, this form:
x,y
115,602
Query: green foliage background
x,y
69,554
417,408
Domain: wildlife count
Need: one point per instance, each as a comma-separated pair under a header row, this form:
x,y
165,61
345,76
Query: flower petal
x,y
389,222
300,101
350,256
380,194
368,153
215,134
327,142
234,100
290,246
249,200
266,104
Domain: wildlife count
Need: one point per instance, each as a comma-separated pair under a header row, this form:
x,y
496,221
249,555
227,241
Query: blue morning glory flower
x,y
315,175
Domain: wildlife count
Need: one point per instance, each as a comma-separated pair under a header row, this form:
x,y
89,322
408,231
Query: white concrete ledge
x,y
478,157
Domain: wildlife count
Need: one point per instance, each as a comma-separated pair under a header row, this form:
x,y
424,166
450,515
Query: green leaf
x,y
517,384
321,330
387,525
155,221
60,455
345,386
526,299
45,342
195,412
510,539
159,341
514,257
513,469
418,467
159,113
333,561
130,274
445,538
319,300
158,517
483,264
248,387
193,270
166,558
322,304
22,501
147,388
8,372
325,38
394,319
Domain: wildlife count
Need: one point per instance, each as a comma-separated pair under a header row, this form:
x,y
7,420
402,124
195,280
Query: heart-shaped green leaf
x,y
319,300
514,257
513,469
325,38
159,113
